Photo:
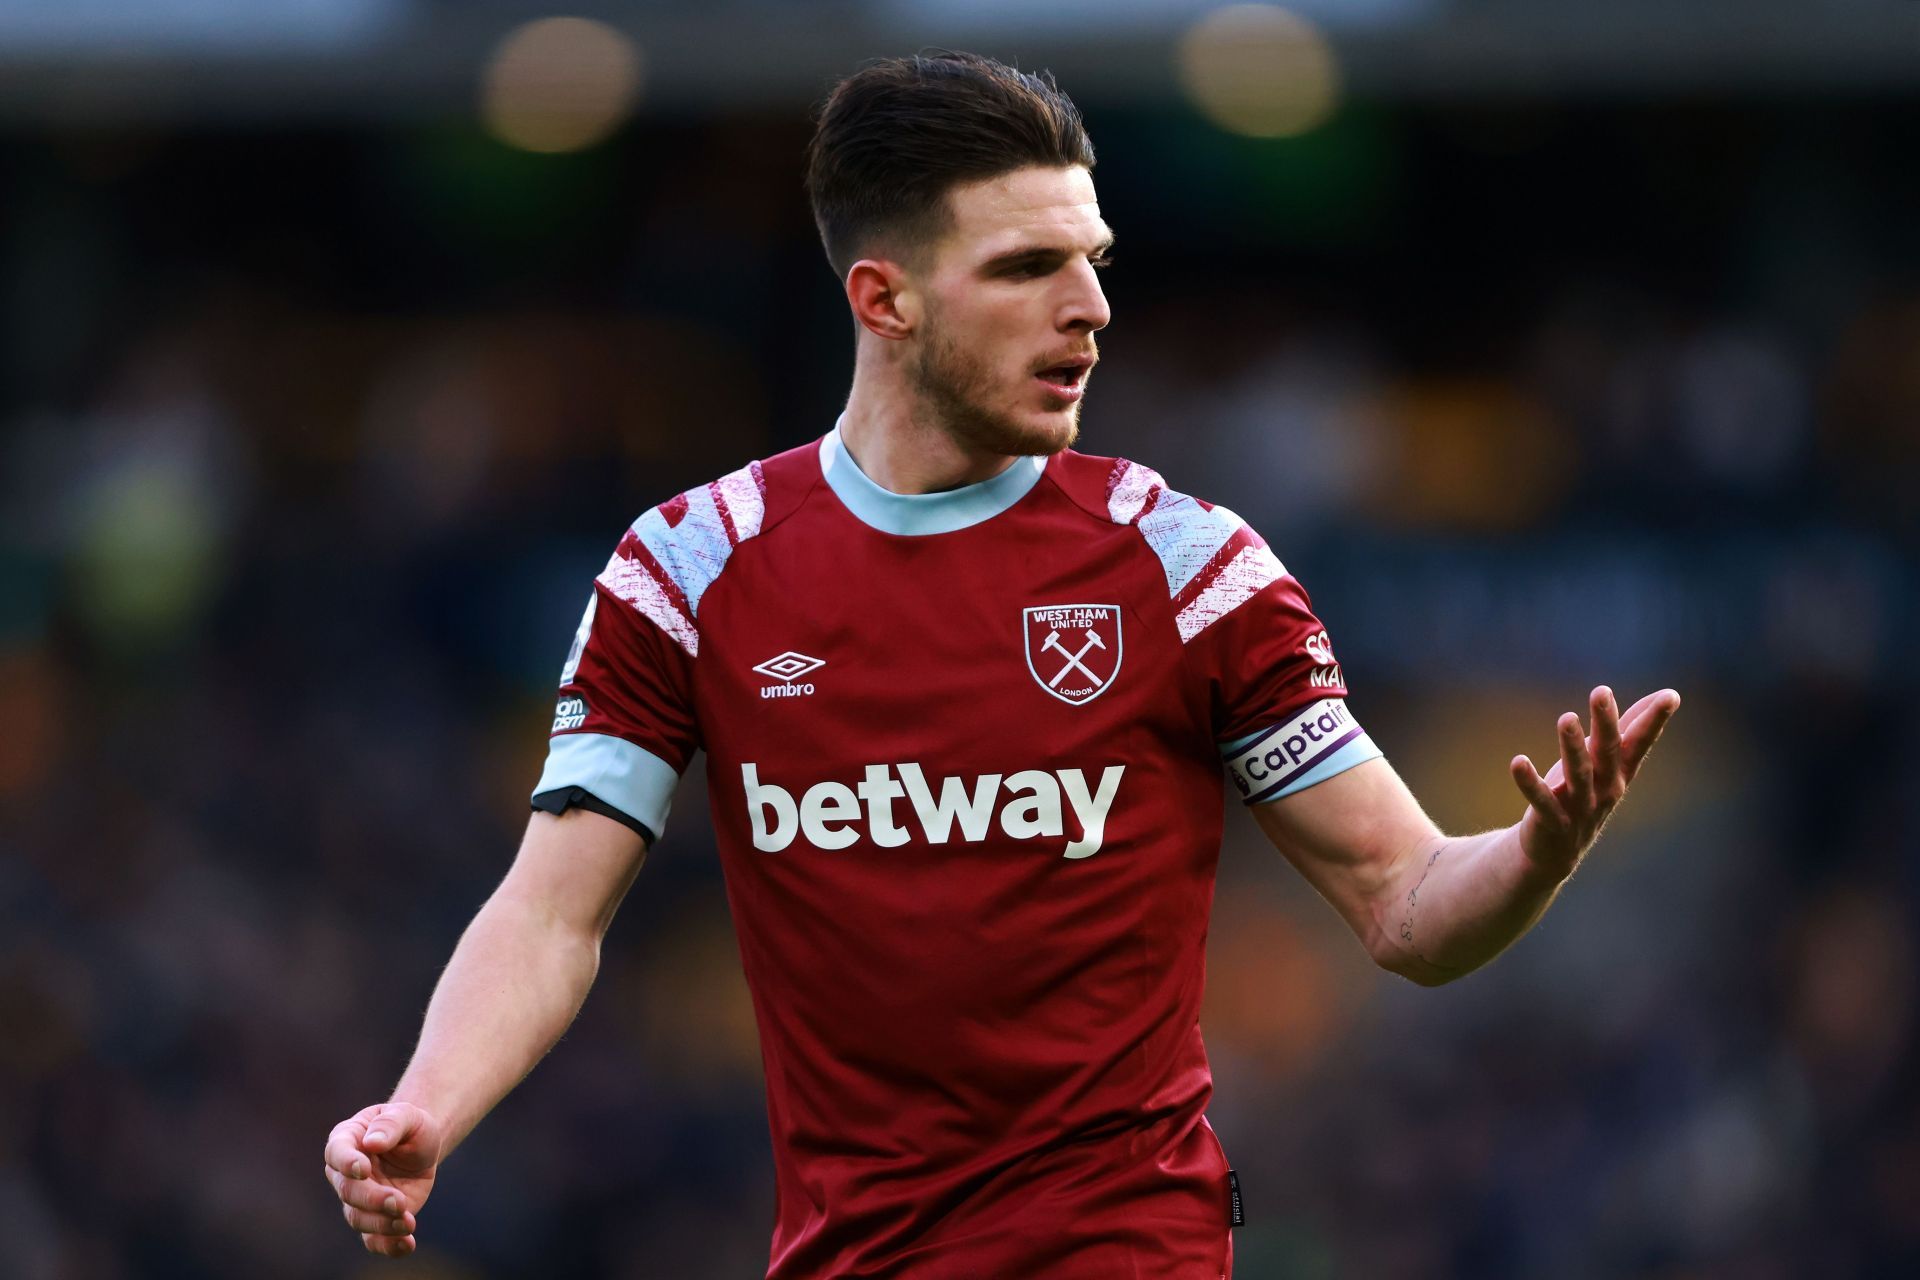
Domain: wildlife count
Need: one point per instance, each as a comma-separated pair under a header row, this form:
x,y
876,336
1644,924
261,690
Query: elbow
x,y
1426,975
1391,946
1415,968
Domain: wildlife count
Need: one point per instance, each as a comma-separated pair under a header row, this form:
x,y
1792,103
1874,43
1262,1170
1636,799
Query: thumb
x,y
391,1126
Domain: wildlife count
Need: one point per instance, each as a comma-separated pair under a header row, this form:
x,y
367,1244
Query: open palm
x,y
1567,807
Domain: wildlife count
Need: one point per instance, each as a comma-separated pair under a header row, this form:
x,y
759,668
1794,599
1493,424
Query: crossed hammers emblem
x,y
1073,659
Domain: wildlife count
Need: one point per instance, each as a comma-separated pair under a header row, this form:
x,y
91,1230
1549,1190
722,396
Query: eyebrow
x,y
1013,256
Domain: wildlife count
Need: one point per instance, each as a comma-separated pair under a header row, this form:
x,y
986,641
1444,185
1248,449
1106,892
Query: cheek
x,y
992,349
995,338
1014,337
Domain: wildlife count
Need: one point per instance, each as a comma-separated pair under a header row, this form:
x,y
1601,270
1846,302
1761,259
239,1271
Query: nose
x,y
1084,310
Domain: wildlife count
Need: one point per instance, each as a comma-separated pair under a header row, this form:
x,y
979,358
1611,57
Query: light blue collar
x,y
917,514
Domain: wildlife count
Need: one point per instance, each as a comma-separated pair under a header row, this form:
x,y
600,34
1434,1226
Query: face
x,y
1011,301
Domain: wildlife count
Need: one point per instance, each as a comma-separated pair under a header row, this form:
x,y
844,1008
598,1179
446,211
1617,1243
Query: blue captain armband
x,y
1309,746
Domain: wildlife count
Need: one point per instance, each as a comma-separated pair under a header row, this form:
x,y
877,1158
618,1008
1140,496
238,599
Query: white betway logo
x,y
829,814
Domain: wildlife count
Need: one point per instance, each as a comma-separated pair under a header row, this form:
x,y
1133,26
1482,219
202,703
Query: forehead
x,y
1039,206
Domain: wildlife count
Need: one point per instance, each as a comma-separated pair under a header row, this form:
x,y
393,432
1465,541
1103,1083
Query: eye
x,y
1100,262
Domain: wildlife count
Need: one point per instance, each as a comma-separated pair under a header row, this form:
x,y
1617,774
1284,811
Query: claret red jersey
x,y
965,754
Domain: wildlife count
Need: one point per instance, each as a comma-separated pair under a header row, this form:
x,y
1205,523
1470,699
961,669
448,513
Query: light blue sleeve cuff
x,y
616,772
1308,747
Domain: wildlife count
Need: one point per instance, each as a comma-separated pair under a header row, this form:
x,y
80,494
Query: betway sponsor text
x,y
1027,805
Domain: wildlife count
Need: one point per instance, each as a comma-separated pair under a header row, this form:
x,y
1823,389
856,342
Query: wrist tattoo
x,y
1413,899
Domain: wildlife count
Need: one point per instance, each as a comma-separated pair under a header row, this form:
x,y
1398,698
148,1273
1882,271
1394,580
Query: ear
x,y
883,297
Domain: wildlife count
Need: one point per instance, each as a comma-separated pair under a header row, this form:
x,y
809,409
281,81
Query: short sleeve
x,y
1279,697
623,726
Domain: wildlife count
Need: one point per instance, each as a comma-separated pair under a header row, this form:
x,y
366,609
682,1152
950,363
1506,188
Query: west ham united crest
x,y
1073,650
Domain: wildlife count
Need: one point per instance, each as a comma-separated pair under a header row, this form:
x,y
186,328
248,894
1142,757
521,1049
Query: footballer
x,y
969,699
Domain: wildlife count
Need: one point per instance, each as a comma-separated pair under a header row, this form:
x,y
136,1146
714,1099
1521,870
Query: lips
x,y
1067,376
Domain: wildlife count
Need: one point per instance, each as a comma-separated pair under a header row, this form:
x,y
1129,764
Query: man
x,y
964,695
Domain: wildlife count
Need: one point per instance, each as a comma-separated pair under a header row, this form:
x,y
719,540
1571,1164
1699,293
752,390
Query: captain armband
x,y
1309,746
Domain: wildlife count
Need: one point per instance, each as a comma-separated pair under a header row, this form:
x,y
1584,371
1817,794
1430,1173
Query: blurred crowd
x,y
311,444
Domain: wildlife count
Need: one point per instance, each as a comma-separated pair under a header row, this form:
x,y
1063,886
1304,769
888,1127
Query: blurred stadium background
x,y
1549,342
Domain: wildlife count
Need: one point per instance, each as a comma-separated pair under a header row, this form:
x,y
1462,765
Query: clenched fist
x,y
381,1164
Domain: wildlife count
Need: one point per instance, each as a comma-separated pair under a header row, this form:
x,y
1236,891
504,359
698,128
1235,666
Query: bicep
x,y
1350,836
575,867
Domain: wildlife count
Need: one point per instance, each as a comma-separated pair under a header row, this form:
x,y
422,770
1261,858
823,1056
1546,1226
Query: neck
x,y
900,446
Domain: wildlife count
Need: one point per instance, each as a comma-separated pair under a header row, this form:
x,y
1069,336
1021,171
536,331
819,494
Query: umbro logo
x,y
787,668
790,666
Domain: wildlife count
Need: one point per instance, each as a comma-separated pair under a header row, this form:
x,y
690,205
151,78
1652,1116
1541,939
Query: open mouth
x,y
1066,379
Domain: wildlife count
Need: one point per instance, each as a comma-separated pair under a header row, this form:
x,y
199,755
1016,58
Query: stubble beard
x,y
954,386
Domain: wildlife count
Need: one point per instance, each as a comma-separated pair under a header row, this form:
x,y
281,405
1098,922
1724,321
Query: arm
x,y
1433,907
514,983
522,969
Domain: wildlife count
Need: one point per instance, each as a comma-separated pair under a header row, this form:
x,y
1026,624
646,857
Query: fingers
x,y
368,1194
1608,780
1538,793
389,1246
344,1151
370,1205
1645,730
378,1212
1572,802
1637,712
1578,764
377,1224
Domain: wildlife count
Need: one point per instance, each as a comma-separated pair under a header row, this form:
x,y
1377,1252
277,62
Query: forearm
x,y
1433,907
514,984
1457,902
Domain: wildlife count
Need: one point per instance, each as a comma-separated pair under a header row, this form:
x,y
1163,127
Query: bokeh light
x,y
1260,70
560,84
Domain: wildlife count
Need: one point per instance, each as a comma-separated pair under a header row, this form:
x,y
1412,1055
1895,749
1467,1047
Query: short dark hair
x,y
897,135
